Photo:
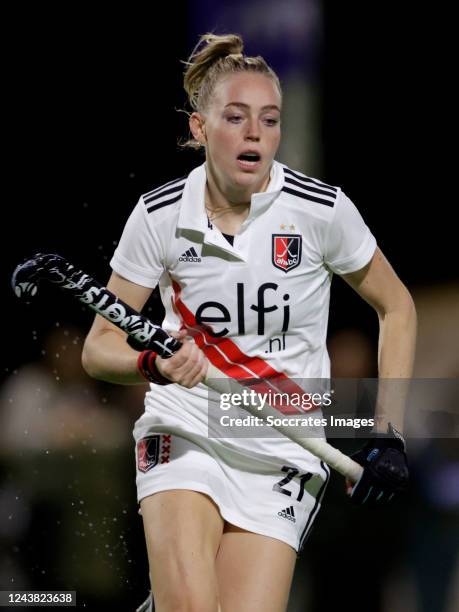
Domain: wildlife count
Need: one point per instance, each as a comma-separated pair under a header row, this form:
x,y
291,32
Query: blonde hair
x,y
214,57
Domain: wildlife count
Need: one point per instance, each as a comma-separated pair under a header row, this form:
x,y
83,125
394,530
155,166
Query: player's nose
x,y
253,130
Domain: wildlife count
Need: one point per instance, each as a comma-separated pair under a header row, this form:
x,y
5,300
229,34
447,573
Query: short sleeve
x,y
138,257
349,244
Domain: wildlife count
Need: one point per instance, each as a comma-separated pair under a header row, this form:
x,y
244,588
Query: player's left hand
x,y
385,470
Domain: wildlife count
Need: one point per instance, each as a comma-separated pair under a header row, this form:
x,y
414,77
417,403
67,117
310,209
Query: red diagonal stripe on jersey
x,y
243,366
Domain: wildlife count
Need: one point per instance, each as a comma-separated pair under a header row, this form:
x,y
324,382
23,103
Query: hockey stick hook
x,y
27,275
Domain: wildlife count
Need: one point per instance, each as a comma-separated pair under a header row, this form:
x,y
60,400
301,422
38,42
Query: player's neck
x,y
221,192
227,208
226,216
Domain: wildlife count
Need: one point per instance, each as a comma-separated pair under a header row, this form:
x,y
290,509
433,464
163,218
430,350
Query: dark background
x,y
91,124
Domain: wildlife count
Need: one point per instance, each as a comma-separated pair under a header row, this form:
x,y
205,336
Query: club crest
x,y
286,251
147,453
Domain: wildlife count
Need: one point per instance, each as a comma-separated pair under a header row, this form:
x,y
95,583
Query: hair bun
x,y
210,49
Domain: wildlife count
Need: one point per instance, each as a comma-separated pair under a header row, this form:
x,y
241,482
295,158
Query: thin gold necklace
x,y
212,214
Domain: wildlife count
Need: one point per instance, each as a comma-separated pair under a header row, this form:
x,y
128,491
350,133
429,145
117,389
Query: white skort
x,y
264,495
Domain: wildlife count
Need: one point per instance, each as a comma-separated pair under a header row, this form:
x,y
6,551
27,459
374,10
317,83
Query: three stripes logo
x,y
288,513
190,255
309,189
165,195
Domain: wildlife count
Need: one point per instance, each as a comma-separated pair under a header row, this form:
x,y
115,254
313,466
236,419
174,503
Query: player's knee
x,y
186,598
185,584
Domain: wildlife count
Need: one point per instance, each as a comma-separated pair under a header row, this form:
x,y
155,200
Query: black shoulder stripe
x,y
306,196
156,189
165,203
309,187
161,194
306,179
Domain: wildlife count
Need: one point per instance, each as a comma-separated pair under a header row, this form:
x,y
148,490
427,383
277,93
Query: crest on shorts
x,y
286,251
147,453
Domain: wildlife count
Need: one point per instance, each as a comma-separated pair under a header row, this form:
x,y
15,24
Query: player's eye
x,y
234,118
271,121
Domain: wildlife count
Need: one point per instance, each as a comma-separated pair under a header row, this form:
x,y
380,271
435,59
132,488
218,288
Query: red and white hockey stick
x,y
57,270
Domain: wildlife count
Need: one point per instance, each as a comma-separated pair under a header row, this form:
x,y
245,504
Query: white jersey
x,y
258,307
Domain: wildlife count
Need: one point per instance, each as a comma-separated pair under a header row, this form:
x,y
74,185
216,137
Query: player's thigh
x,y
254,572
183,530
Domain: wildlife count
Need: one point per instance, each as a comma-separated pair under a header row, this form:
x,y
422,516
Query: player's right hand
x,y
187,367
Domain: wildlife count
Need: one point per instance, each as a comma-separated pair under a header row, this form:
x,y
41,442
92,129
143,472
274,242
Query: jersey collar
x,y
192,212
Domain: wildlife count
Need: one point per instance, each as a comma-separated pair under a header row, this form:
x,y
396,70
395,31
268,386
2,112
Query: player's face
x,y
242,131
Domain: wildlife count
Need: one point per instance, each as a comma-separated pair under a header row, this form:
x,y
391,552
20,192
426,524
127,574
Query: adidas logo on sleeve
x,y
190,255
288,513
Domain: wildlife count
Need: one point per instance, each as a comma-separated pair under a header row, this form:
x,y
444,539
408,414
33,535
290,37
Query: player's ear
x,y
197,127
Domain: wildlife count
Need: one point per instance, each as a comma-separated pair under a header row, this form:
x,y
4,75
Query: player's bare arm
x,y
378,284
107,356
383,457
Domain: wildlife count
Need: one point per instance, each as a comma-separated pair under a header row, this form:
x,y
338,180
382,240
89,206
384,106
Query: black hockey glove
x,y
385,469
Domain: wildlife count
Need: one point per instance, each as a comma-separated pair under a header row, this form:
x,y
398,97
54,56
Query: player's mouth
x,y
249,160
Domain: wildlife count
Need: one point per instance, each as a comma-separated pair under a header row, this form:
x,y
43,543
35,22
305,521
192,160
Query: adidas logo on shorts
x,y
190,255
288,513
